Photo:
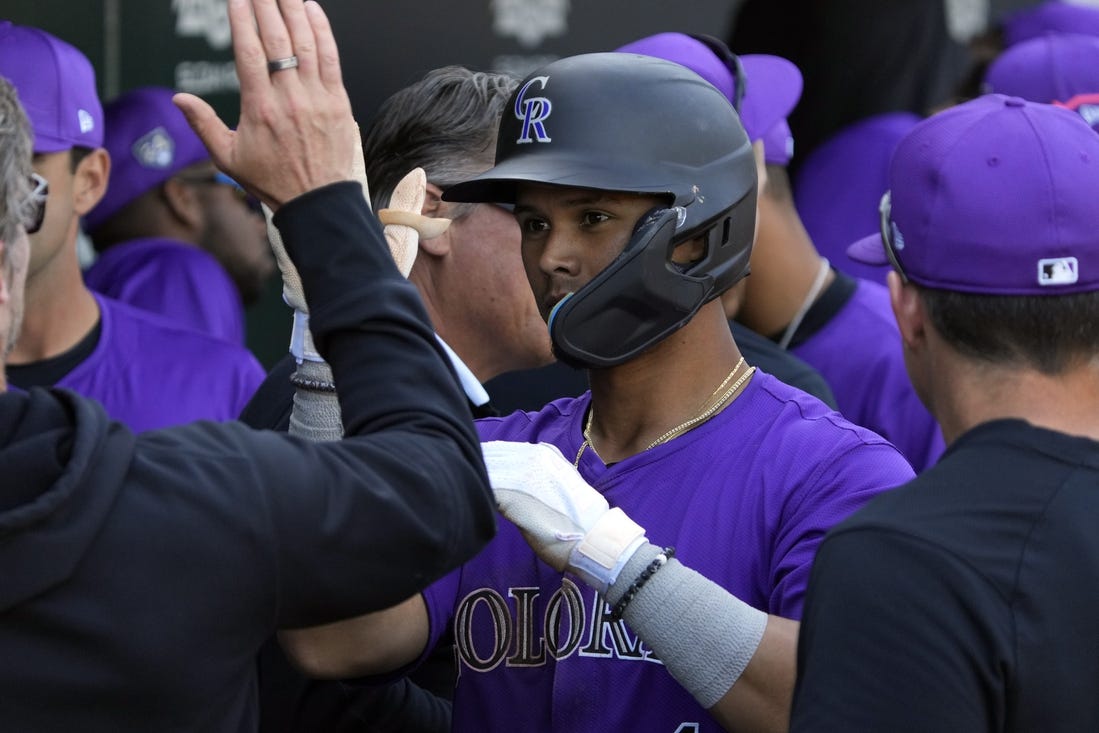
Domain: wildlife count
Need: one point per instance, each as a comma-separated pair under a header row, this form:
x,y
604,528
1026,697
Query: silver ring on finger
x,y
290,62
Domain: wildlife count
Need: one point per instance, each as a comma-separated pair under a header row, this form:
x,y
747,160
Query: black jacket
x,y
142,574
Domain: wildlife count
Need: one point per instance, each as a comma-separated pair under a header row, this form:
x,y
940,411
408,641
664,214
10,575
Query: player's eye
x,y
533,225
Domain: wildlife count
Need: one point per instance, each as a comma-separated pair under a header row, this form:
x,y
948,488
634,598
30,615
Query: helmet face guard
x,y
640,298
631,123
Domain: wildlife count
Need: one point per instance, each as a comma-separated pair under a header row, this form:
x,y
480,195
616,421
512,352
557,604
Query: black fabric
x,y
144,574
533,389
273,401
50,371
965,600
857,57
293,703
289,701
763,353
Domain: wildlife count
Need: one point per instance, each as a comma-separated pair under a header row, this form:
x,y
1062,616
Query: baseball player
x,y
147,371
175,236
965,600
634,187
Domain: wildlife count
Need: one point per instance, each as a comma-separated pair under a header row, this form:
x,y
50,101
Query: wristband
x,y
606,548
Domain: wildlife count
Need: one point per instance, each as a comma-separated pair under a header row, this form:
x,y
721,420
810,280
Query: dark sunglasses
x,y
36,204
885,209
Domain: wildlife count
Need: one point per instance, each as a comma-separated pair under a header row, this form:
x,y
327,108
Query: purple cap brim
x,y
771,93
869,250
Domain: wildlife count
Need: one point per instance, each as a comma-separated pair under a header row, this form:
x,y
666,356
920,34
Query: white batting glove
x,y
564,520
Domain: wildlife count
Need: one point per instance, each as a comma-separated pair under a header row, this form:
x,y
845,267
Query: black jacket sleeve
x,y
356,525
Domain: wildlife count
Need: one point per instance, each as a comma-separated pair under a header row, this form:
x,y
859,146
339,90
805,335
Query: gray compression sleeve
x,y
704,635
316,413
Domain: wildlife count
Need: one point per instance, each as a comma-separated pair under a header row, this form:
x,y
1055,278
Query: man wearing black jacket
x,y
143,573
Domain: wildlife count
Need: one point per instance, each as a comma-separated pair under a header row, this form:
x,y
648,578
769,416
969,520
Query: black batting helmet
x,y
632,123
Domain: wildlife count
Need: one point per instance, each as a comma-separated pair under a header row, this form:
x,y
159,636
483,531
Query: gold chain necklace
x,y
684,426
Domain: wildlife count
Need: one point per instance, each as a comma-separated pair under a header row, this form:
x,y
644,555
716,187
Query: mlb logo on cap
x,y
997,196
56,85
1058,271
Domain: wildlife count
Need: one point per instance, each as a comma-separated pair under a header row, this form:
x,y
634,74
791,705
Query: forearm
x,y
737,661
420,488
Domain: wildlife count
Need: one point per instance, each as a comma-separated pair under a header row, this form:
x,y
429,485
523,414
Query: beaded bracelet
x,y
658,562
313,385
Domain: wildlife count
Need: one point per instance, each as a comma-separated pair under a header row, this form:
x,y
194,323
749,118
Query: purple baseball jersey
x,y
745,499
149,372
174,279
859,353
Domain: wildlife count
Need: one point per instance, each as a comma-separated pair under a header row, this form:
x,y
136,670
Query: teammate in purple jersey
x,y
630,235
149,373
175,280
145,370
856,346
175,235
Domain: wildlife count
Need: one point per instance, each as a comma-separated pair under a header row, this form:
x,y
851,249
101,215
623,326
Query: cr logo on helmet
x,y
533,113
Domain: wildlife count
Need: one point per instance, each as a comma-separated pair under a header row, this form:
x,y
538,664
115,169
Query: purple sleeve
x,y
184,284
441,598
841,487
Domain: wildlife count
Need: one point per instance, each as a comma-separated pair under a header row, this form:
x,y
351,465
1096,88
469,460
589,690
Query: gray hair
x,y
15,162
446,123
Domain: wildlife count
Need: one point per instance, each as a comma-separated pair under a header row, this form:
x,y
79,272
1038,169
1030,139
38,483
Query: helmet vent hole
x,y
726,226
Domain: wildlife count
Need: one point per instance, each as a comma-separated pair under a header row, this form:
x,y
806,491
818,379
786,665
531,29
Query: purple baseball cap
x,y
995,196
56,85
149,141
1053,16
772,89
1054,68
839,185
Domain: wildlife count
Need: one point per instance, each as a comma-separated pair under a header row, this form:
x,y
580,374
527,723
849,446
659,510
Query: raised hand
x,y
296,131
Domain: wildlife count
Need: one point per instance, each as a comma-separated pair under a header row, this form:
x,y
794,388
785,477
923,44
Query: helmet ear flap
x,y
635,302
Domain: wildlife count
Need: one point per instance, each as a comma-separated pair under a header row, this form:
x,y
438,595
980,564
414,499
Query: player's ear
x,y
182,201
909,310
434,207
90,180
